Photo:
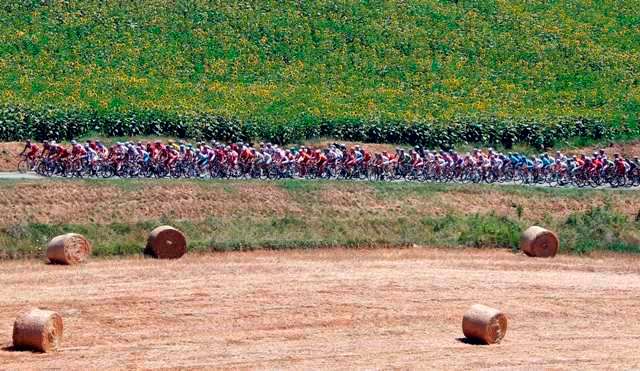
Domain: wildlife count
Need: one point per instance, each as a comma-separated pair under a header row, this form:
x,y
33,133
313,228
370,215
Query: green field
x,y
277,62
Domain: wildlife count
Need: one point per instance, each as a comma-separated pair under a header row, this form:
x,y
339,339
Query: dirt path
x,y
329,309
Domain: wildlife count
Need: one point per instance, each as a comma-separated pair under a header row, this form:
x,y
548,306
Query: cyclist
x,y
30,151
132,153
170,155
303,161
321,160
78,153
358,155
231,157
59,153
267,159
101,149
92,155
416,161
621,166
546,161
404,158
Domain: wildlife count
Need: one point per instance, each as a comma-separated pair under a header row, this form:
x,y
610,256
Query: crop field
x,y
329,309
401,60
395,71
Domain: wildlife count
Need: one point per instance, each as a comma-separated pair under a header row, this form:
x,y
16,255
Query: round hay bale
x,y
484,324
166,242
539,242
38,330
70,248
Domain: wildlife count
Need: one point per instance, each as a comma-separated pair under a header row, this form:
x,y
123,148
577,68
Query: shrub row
x,y
19,123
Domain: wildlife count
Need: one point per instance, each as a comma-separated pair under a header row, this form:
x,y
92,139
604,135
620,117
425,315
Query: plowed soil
x,y
329,309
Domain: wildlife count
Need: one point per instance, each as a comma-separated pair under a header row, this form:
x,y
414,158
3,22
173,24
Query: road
x,y
7,175
16,175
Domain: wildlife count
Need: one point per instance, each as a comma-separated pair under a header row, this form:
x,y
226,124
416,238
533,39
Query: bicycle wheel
x,y
23,166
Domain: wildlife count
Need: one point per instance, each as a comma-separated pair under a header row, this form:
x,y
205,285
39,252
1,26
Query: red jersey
x,y
366,155
63,152
78,150
31,149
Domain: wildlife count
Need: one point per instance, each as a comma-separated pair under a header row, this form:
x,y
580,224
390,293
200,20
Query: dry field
x,y
329,309
103,202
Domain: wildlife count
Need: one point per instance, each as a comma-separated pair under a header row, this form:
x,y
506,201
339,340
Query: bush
x,y
599,228
490,230
18,123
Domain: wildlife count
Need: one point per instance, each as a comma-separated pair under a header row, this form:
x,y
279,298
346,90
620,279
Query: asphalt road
x,y
12,175
16,175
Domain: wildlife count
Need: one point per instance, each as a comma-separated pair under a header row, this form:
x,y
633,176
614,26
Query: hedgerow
x,y
18,123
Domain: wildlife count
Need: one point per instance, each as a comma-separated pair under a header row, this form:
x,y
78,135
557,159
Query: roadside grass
x,y
580,233
334,213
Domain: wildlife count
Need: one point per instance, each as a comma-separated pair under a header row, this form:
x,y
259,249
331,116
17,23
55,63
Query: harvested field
x,y
330,309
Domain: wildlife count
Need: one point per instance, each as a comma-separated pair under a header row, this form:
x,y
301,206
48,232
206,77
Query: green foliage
x,y
600,228
17,123
490,230
419,71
